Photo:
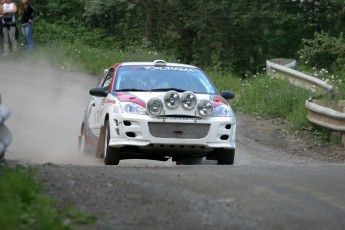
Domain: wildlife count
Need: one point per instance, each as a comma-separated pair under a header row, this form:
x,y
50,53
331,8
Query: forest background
x,y
237,36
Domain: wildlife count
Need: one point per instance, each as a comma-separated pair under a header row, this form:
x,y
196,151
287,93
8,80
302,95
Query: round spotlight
x,y
205,108
154,107
188,100
172,99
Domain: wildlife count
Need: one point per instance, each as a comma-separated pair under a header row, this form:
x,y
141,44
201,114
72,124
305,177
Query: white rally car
x,y
157,110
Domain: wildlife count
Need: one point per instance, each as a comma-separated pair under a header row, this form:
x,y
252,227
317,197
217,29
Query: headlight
x,y
133,108
205,108
154,107
188,100
223,111
172,99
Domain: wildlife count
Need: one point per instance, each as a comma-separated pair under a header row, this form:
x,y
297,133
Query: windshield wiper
x,y
167,89
132,89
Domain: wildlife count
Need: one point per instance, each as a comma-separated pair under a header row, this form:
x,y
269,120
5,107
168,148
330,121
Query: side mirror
x,y
98,92
105,71
227,95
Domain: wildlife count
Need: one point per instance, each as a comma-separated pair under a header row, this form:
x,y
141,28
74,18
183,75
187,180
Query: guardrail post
x,y
341,104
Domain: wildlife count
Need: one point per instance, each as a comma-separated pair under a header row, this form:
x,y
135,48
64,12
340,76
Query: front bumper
x,y
144,131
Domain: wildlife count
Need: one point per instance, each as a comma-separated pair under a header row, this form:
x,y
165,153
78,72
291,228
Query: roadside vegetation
x,y
79,57
263,96
24,206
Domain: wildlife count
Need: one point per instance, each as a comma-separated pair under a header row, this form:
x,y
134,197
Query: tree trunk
x,y
149,20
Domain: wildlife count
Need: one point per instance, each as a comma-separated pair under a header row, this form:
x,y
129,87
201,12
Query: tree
x,y
237,35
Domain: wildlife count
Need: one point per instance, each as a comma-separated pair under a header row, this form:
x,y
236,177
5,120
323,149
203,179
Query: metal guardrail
x,y
284,68
326,114
5,134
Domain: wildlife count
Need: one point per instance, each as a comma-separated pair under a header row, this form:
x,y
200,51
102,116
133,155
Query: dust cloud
x,y
47,106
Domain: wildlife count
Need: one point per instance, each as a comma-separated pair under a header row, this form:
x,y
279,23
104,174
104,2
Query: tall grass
x,y
92,60
265,96
24,206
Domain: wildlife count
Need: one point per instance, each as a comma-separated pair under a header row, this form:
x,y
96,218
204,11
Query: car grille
x,y
178,130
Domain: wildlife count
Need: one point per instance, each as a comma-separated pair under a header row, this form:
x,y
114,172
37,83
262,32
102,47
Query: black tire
x,y
190,161
226,156
111,155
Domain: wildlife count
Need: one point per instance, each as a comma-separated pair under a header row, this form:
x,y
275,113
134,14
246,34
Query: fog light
x,y
205,108
172,100
188,100
154,107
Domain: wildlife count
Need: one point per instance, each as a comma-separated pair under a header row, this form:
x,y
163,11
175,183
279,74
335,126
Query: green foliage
x,y
324,51
46,33
24,206
229,35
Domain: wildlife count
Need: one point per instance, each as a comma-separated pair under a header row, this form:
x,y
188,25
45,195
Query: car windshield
x,y
162,78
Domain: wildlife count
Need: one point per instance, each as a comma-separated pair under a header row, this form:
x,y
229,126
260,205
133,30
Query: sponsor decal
x,y
108,101
169,68
179,118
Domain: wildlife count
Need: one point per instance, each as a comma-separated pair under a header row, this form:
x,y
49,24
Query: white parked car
x,y
158,110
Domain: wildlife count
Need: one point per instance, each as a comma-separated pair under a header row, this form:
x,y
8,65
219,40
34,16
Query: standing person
x,y
9,10
28,15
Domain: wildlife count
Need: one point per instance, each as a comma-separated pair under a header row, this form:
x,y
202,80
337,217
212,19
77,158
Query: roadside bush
x,y
337,79
71,33
324,51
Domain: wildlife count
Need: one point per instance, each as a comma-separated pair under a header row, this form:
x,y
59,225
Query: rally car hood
x,y
141,98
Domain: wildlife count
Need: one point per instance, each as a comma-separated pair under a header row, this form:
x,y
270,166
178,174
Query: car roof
x,y
153,63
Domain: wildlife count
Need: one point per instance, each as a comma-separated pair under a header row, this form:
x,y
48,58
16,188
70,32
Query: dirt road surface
x,y
277,182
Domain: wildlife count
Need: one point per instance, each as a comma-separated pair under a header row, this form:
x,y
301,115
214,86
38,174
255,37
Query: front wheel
x,y
111,155
226,156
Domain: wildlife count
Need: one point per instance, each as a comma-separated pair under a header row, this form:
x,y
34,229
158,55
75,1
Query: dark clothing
x,y
31,13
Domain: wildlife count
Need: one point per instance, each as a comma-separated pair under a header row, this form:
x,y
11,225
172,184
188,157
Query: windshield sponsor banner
x,y
169,68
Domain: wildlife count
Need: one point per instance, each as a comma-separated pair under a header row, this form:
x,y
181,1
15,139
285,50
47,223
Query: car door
x,y
96,104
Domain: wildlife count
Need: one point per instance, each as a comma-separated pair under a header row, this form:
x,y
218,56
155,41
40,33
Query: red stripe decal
x,y
218,100
127,97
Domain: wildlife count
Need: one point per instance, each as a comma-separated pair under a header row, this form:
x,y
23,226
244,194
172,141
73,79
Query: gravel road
x,y
278,181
